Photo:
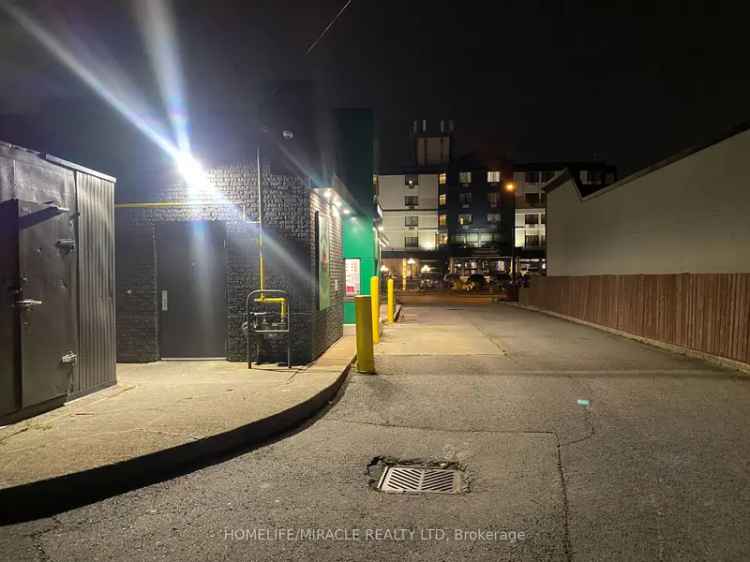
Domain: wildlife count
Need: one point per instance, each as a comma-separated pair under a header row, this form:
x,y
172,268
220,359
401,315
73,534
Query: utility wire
x,y
328,27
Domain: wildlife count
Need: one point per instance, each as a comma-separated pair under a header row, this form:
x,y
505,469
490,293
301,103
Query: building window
x,y
532,241
411,200
494,199
531,219
532,199
493,176
443,178
596,176
493,217
443,238
442,199
464,199
442,219
411,241
544,218
411,220
548,175
459,238
464,219
464,178
532,177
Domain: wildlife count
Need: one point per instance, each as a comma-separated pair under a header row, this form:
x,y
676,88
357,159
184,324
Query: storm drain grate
x,y
417,479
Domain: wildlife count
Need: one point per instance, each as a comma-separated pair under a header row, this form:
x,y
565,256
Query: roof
x,y
566,175
27,152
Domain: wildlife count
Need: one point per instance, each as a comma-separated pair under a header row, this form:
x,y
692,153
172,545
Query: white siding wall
x,y
392,190
692,215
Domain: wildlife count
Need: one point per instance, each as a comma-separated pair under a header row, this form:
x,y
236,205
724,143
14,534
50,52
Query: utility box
x,y
57,327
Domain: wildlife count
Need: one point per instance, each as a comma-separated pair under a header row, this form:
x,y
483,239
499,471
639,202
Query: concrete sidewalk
x,y
160,418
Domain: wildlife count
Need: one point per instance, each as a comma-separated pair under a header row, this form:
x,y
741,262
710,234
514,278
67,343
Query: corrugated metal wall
x,y
704,312
96,280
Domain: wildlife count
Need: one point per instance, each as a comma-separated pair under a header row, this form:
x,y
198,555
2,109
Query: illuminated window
x,y
494,199
464,219
443,238
443,178
411,220
464,178
443,219
442,199
493,176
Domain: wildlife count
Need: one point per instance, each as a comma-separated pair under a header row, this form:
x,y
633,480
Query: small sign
x,y
352,277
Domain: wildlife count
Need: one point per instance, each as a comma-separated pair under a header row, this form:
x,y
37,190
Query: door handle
x,y
28,304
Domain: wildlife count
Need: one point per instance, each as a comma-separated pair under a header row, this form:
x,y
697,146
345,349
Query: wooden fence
x,y
704,312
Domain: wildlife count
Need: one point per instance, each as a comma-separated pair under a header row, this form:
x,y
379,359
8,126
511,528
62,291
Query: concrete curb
x,y
744,368
48,497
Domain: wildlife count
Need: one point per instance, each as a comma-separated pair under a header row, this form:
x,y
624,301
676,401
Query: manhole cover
x,y
420,479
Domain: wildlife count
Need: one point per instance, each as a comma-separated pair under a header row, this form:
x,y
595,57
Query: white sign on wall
x,y
352,277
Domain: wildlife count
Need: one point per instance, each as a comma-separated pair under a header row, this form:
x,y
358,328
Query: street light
x,y
510,187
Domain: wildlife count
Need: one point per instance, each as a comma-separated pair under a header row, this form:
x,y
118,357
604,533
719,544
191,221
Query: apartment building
x,y
410,221
530,223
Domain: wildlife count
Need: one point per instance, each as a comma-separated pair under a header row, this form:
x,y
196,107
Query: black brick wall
x,y
137,314
290,252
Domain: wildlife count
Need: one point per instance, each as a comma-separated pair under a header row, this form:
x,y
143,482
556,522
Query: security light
x,y
190,169
288,135
510,186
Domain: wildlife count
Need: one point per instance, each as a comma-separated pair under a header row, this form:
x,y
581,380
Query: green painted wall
x,y
360,242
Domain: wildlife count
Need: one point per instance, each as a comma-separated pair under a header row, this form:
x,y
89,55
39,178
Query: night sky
x,y
528,80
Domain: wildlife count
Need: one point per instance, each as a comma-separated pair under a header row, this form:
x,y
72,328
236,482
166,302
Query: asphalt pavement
x,y
577,445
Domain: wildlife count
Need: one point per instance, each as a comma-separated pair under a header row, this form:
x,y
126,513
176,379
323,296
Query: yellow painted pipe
x,y
274,300
375,296
365,352
391,301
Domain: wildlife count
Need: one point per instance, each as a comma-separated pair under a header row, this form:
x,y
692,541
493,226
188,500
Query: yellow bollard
x,y
365,354
375,296
391,301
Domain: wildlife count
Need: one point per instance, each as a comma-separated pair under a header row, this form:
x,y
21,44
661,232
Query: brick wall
x,y
290,255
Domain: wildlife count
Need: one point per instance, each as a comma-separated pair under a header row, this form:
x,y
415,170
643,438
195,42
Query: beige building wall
x,y
691,215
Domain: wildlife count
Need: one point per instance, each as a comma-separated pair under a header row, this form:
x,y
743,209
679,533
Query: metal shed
x,y
57,309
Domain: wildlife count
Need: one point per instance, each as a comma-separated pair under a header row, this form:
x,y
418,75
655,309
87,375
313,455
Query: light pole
x,y
510,187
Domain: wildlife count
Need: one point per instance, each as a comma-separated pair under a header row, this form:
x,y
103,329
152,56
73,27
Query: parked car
x,y
431,280
476,282
501,281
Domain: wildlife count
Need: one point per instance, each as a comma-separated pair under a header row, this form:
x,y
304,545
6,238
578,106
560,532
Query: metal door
x,y
191,289
45,303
